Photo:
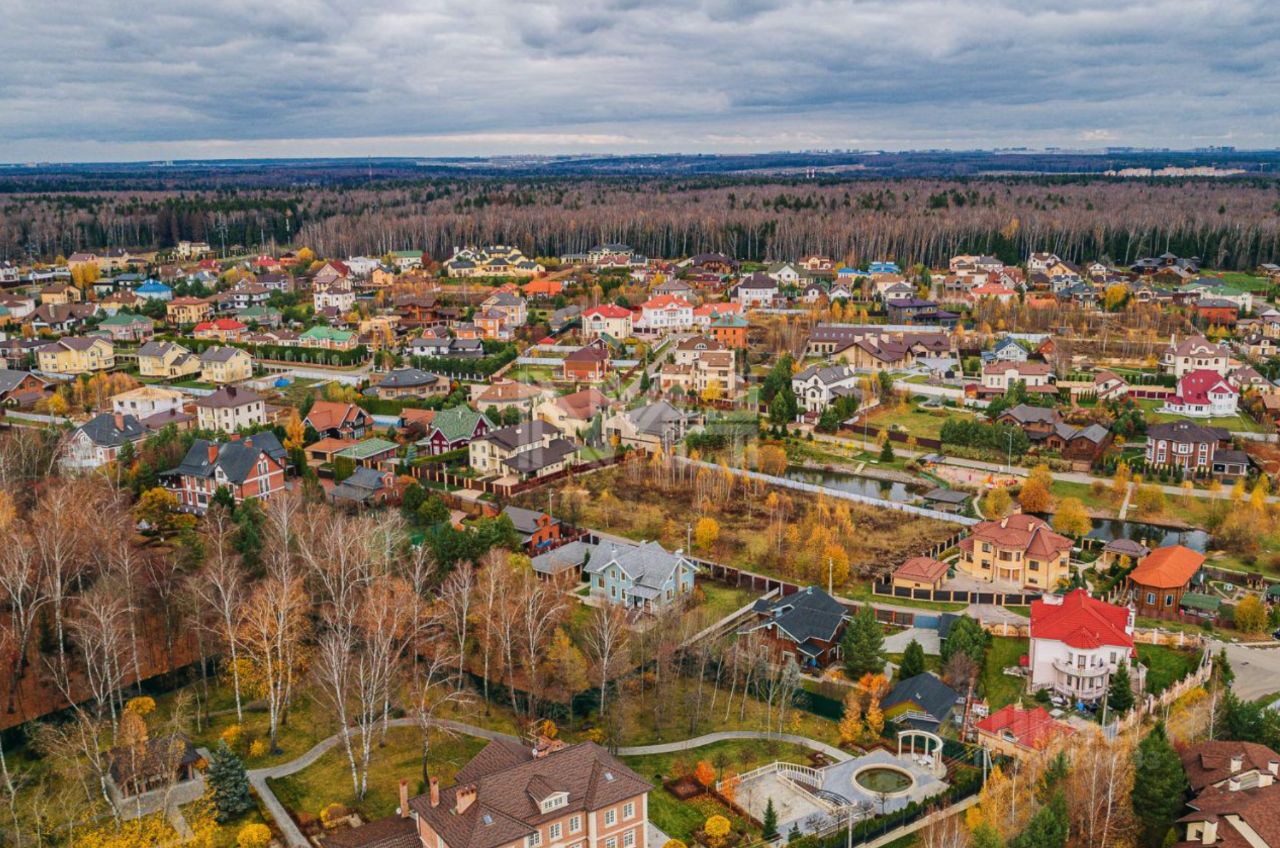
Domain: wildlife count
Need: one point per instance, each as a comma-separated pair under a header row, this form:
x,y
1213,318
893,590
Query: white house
x,y
784,273
610,320
336,297
1008,350
1203,394
757,290
145,401
231,408
1194,354
998,377
99,440
666,313
818,386
1078,642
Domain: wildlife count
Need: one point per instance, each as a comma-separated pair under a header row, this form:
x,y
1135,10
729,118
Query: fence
x,y
507,490
1151,703
956,596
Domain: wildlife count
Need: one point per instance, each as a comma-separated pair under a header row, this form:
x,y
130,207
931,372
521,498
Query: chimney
x,y
1237,762
213,452
404,797
434,783
1274,767
1233,785
248,441
1209,834
463,798
119,419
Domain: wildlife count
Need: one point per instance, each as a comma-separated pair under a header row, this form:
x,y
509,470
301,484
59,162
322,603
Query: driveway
x,y
928,639
1257,670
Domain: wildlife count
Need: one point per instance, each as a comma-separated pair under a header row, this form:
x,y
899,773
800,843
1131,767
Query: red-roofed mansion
x,y
1078,642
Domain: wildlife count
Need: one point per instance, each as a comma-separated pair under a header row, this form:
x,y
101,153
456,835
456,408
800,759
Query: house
x,y
61,317
711,371
1015,731
1193,447
154,290
922,702
74,355
904,310
369,453
757,290
146,401
589,363
336,297
252,467
575,413
453,429
804,627
606,320
691,349
1161,579
1203,394
507,394
656,426
784,273
643,577
1018,550
221,329
729,330
166,360
187,310
1082,445
1194,354
410,382
510,308
221,365
153,764
1007,349
1107,386
328,338
537,529
364,487
59,294
1078,642
21,388
1217,311
568,559
1239,808
495,260
336,420
1040,263
999,377
231,408
921,572
528,450
99,440
515,795
818,386
665,314
123,327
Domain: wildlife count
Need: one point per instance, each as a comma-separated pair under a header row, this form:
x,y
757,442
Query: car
x,y
1275,634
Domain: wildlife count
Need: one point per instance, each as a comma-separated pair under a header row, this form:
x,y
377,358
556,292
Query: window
x,y
628,839
553,832
1151,597
611,842
575,824
629,811
534,839
1168,600
610,817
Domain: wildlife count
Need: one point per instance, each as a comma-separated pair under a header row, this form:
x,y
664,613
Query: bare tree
x,y
58,544
272,628
22,590
541,605
99,626
456,599
220,586
606,641
492,607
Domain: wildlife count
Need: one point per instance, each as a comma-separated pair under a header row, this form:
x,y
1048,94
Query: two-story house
x,y
335,420
74,355
231,408
166,360
187,310
666,313
999,377
805,626
1019,550
99,440
1192,447
146,401
1194,354
818,386
525,451
606,320
1078,642
1203,393
644,577
225,365
252,467
453,429
757,290
1236,795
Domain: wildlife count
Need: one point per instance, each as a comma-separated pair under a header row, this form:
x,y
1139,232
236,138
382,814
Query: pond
x,y
1153,535
857,484
883,779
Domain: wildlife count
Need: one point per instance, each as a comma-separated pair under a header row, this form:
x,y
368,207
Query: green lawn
x,y
913,420
328,780
1166,666
680,819
720,600
1240,422
1000,689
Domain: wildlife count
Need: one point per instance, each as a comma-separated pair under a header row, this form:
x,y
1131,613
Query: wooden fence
x,y
507,490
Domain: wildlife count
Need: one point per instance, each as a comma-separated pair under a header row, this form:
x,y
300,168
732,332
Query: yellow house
x,y
166,360
1020,550
58,294
188,310
225,365
74,355
381,277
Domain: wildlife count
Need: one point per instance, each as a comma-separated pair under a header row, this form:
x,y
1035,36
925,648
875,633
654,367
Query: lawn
x,y
298,390
328,780
720,600
1239,422
912,419
1000,688
680,819
1166,666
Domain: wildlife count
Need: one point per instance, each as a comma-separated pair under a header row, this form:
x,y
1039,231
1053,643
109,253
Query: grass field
x,y
1239,422
912,419
1001,689
1165,666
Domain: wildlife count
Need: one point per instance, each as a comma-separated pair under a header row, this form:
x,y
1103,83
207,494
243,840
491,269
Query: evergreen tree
x,y
966,636
863,644
1048,828
770,821
986,836
912,661
228,783
794,834
1120,695
886,451
1159,787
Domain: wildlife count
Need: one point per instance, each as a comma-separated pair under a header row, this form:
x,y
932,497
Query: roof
x,y
405,378
1246,817
584,404
329,414
1208,763
648,565
656,419
1030,728
457,422
1024,532
526,521
367,448
521,435
1081,621
362,484
1026,414
220,353
1168,567
510,784
1186,431
112,430
1127,547
607,310
921,569
163,754
235,458
810,614
229,396
571,555
925,691
389,832
532,461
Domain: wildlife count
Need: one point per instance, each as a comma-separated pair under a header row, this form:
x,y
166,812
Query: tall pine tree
x,y
770,821
1120,693
912,661
1159,787
229,783
863,644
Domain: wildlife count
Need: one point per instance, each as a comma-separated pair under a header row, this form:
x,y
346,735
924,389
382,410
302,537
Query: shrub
x,y
259,748
332,814
254,836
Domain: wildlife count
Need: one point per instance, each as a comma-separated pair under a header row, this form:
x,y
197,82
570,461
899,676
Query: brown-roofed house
x,y
920,572
1161,579
338,420
1020,550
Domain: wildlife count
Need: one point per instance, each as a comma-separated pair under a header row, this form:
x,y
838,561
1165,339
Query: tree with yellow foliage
x,y
706,532
716,829
1072,518
996,504
295,433
254,835
1250,615
712,392
851,727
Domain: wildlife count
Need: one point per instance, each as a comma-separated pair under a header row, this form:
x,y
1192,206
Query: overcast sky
x,y
148,79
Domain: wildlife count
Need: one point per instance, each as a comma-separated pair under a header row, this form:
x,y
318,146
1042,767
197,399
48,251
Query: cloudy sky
x,y
147,79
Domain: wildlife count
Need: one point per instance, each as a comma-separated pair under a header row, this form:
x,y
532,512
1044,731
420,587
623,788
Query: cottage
x,y
643,577
166,360
74,355
1016,731
231,408
1078,642
332,419
921,572
364,487
524,451
1203,394
653,427
922,702
805,627
252,467
1161,579
219,365
818,386
537,530
100,439
1019,550
453,429
410,382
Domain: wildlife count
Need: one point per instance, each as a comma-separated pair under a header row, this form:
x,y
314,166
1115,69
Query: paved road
x,y
1257,669
727,735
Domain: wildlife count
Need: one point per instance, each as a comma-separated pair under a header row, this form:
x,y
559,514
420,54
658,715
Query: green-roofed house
x,y
370,452
329,338
453,429
123,327
1198,603
263,316
406,259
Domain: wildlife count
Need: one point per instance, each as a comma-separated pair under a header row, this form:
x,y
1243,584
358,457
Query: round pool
x,y
886,780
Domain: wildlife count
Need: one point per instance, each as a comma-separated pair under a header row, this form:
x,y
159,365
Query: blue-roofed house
x,y
645,577
154,290
884,268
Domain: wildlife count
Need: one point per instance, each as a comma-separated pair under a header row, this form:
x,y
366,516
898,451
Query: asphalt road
x,y
1257,669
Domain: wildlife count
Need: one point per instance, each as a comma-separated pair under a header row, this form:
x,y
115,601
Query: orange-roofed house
x,y
1016,732
222,329
324,450
920,572
1020,550
544,288
1162,578
333,419
1078,642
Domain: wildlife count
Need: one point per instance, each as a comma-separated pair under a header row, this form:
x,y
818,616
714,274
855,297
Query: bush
x,y
332,814
259,748
254,836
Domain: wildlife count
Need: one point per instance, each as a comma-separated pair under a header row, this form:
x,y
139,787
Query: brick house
x,y
586,364
338,420
252,467
537,530
805,626
1019,549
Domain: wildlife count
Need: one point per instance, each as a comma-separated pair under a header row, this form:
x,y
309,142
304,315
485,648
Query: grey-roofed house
x,y
537,529
409,382
657,425
805,626
250,467
818,386
365,487
946,500
644,577
100,439
923,702
568,557
525,451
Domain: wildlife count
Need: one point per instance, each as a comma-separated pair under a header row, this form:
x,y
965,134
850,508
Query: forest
x,y
1228,223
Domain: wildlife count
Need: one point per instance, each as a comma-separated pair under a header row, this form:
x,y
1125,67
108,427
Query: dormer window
x,y
555,802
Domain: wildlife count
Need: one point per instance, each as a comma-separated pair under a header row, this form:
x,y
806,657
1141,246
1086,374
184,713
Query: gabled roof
x,y
521,435
924,691
1031,728
229,396
1187,432
648,565
810,614
329,415
1209,762
1022,532
235,458
921,569
1081,622
112,430
458,422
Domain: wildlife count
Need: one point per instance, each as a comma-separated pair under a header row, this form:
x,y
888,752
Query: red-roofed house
x,y
1078,642
920,572
1020,549
1203,394
222,329
587,364
610,320
666,313
1015,731
1161,579
335,420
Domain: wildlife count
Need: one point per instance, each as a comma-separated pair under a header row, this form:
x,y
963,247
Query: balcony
x,y
1085,673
